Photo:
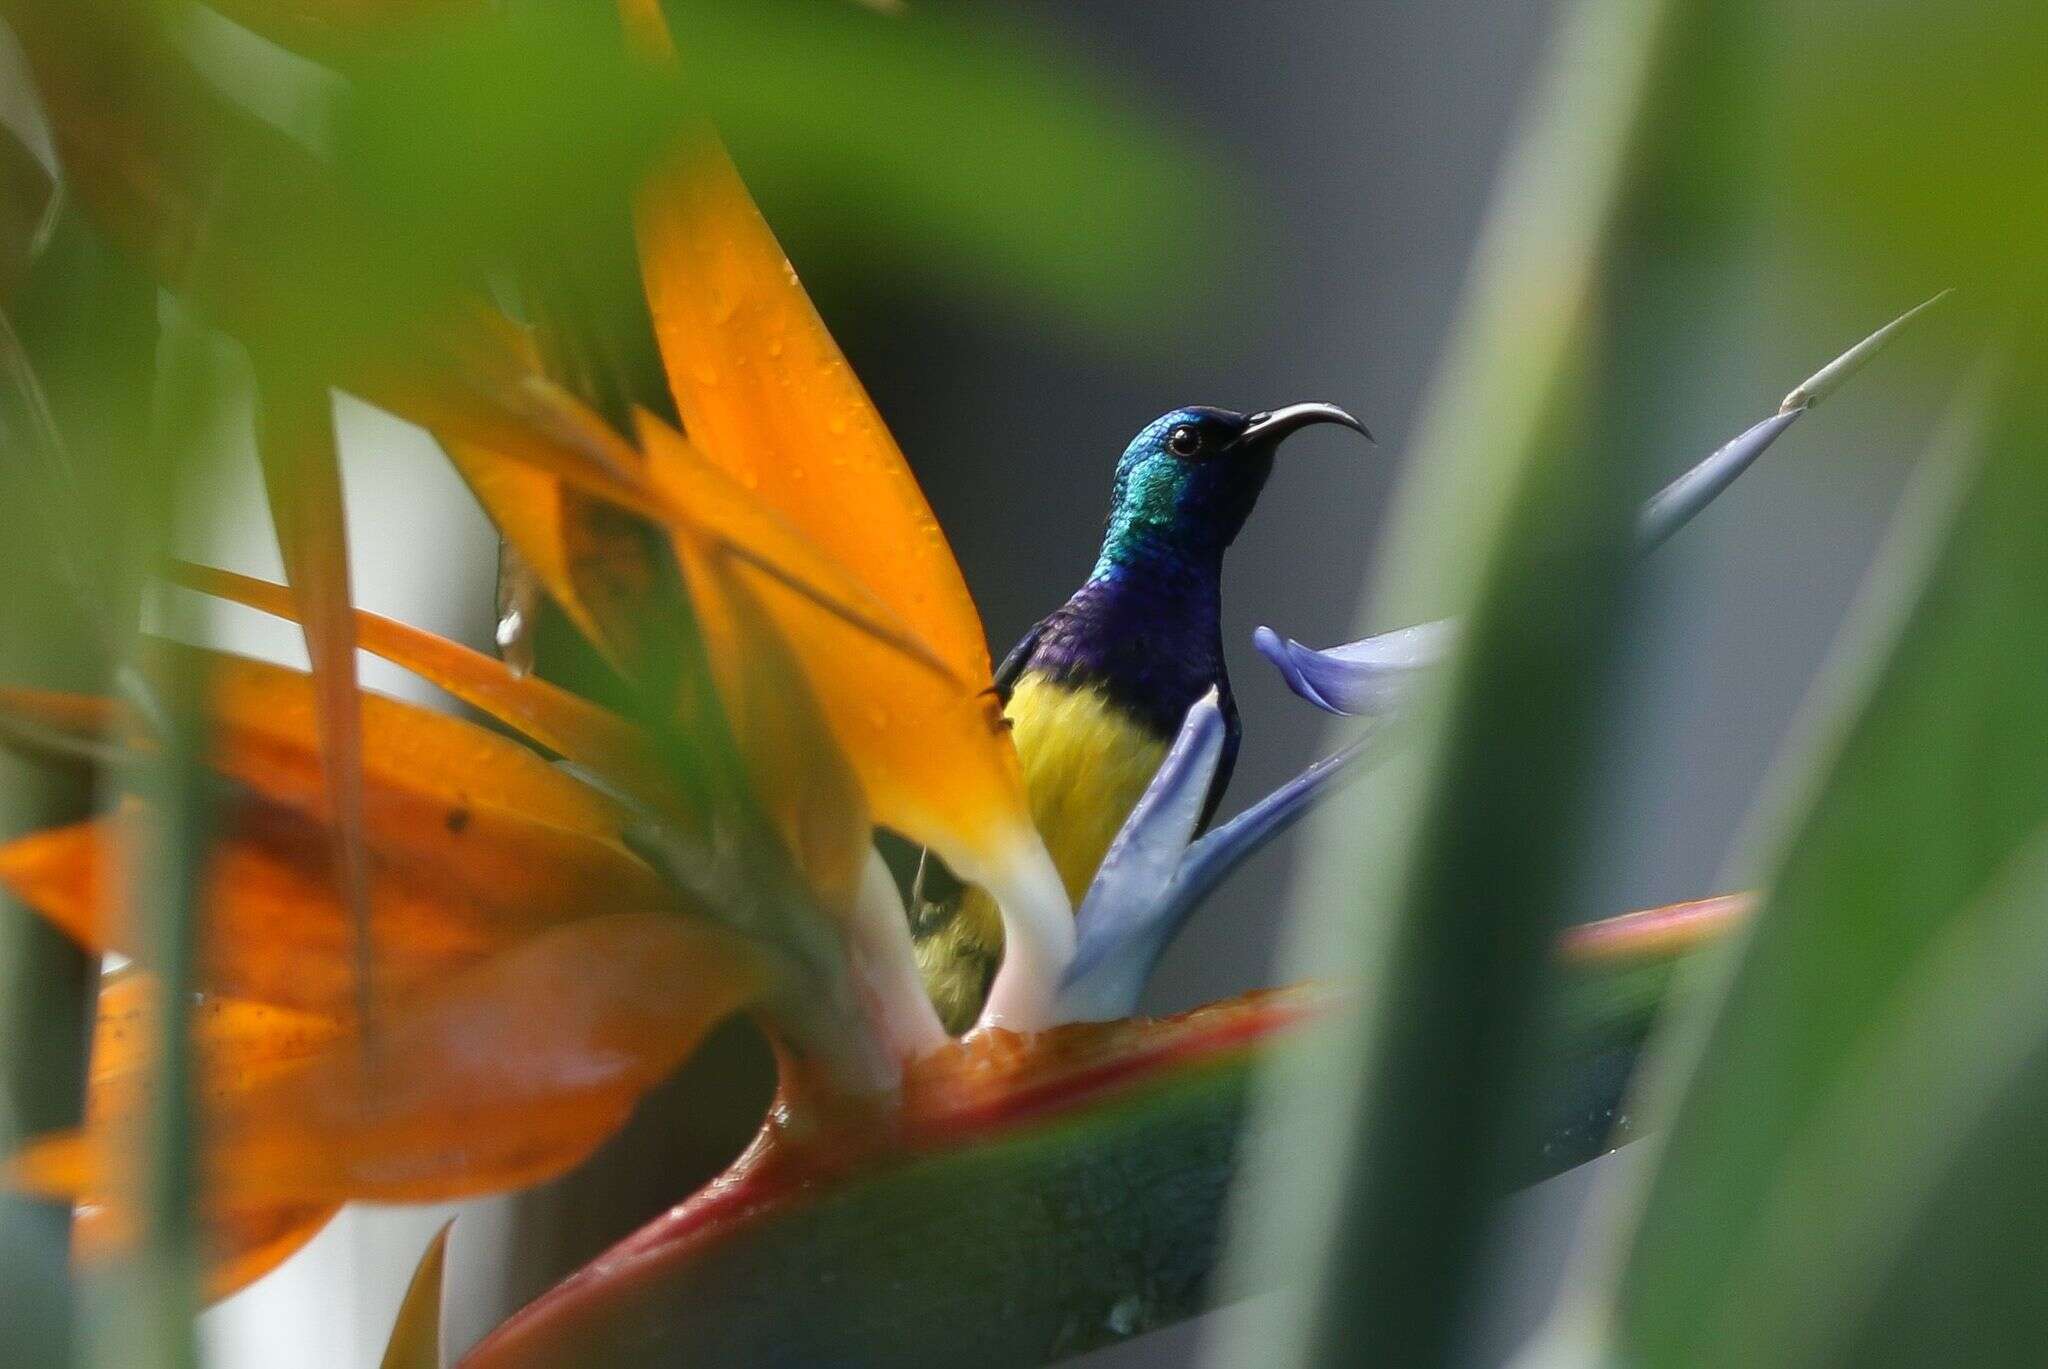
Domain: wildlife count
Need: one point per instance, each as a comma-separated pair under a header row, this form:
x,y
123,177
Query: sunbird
x,y
1095,693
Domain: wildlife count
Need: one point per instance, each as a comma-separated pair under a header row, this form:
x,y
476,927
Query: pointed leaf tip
x,y
1829,378
416,1335
1371,676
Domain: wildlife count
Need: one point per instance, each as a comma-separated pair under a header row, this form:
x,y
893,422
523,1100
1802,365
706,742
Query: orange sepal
x,y
565,723
767,396
474,842
239,1044
931,752
274,929
241,1245
418,765
525,504
416,762
511,432
506,1075
799,777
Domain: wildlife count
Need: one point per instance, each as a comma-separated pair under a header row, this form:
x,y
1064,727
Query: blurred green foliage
x,y
74,432
1517,518
1852,1105
317,214
1904,142
1873,1054
953,141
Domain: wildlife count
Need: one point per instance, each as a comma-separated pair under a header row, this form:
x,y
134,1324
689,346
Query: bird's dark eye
x,y
1184,441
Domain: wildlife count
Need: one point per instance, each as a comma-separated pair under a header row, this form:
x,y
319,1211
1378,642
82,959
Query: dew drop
x,y
1126,1314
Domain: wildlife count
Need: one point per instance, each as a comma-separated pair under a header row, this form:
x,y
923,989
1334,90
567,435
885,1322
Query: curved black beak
x,y
1275,424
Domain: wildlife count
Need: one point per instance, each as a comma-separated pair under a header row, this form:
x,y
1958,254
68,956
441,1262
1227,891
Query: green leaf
x,y
1885,163
1018,1227
318,219
1394,1133
140,1310
1856,1117
25,195
974,148
86,334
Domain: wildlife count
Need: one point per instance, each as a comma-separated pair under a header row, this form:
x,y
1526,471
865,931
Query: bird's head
x,y
1189,479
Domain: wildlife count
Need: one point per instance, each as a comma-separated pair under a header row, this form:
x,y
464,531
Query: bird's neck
x,y
1145,629
1167,581
1152,554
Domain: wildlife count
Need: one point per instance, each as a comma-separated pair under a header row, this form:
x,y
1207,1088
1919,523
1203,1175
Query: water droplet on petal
x,y
1126,1315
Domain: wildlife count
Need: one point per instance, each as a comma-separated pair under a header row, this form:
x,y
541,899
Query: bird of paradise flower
x,y
549,940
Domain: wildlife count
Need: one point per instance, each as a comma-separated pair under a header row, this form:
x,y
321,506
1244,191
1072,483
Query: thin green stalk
x,y
73,404
139,1312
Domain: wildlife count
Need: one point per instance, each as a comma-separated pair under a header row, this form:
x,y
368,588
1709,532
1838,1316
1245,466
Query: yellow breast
x,y
1086,764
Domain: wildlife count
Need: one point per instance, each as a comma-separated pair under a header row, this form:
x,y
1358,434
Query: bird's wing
x,y
1019,657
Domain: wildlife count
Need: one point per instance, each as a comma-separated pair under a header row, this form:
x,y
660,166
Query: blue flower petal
x,y
1121,932
1153,877
1211,860
1362,678
1374,675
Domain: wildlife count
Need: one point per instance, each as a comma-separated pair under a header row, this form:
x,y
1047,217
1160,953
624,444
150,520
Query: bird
x,y
1096,691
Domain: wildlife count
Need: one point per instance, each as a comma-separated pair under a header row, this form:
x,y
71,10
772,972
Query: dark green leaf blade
x,y
1393,1136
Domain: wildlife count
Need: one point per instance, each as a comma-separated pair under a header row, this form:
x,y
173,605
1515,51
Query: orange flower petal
x,y
933,758
419,765
274,929
506,1075
798,775
571,726
526,506
932,754
58,872
240,1044
767,396
510,432
241,1244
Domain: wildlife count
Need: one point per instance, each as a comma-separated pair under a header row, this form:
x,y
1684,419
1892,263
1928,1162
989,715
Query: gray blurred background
x,y
1363,139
